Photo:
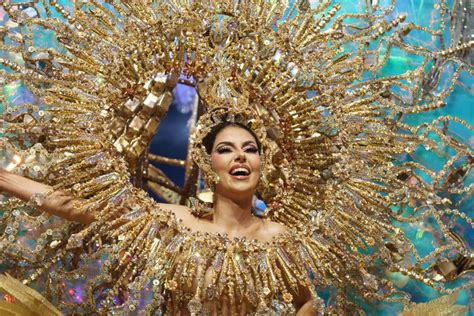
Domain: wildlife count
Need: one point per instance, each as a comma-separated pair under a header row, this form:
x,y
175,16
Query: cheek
x,y
218,162
255,162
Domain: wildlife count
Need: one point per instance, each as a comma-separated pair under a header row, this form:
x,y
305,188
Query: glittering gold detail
x,y
171,285
266,290
215,116
287,297
37,199
25,301
445,305
334,136
48,100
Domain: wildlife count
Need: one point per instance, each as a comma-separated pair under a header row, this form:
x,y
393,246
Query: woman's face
x,y
236,160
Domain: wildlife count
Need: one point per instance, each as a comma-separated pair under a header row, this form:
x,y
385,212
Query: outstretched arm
x,y
57,203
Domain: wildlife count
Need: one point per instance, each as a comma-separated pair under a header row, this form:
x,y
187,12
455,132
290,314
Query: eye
x,y
223,150
251,149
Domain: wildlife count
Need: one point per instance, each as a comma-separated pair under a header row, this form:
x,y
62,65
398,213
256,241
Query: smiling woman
x,y
232,152
236,161
234,165
234,168
292,105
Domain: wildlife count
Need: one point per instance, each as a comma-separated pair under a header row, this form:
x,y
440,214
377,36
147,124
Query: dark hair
x,y
208,141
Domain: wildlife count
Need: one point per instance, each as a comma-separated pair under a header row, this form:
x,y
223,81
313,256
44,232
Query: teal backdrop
x,y
172,137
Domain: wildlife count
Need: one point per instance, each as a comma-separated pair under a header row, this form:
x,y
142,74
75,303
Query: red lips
x,y
240,171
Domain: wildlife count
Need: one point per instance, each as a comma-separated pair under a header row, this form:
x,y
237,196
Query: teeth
x,y
240,170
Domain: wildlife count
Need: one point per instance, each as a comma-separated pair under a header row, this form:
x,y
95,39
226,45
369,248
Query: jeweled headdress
x,y
343,137
213,118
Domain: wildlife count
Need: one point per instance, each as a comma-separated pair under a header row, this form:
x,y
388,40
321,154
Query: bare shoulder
x,y
184,214
272,229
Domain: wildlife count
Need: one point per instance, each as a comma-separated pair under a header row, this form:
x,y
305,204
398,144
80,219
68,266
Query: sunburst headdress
x,y
224,104
335,133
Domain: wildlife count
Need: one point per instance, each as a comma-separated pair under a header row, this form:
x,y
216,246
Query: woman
x,y
335,126
235,159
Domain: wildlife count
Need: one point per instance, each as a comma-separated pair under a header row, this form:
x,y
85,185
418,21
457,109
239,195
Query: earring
x,y
263,170
211,179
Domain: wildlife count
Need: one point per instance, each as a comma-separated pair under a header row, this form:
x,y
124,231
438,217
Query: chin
x,y
239,189
249,191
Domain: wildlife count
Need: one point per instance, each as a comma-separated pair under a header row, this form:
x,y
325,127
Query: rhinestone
x,y
172,285
266,291
288,298
194,306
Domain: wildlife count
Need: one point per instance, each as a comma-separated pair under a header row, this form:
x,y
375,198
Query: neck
x,y
232,215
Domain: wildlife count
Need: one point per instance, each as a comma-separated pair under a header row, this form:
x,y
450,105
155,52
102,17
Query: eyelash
x,y
225,149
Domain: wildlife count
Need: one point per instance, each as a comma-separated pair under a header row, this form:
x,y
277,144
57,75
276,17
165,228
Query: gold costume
x,y
332,140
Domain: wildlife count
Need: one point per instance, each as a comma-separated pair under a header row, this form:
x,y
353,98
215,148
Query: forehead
x,y
233,134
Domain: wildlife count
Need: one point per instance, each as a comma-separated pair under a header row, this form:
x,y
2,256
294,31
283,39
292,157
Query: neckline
x,y
224,237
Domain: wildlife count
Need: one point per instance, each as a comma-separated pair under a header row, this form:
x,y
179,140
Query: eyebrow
x,y
232,144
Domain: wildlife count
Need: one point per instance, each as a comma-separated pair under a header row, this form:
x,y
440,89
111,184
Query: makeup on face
x,y
236,159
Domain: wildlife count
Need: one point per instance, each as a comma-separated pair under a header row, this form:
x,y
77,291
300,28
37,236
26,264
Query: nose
x,y
240,157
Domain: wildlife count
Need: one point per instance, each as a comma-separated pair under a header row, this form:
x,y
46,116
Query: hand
x,y
57,203
64,205
314,306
